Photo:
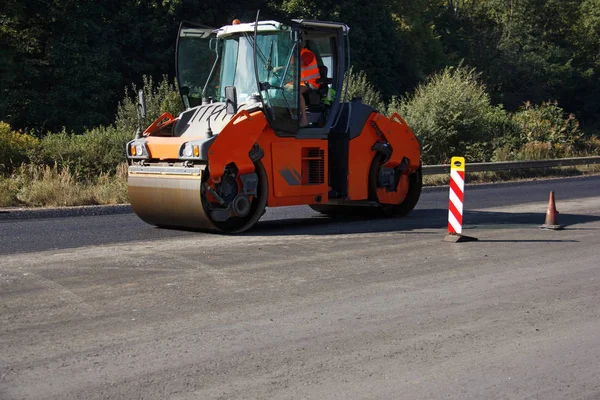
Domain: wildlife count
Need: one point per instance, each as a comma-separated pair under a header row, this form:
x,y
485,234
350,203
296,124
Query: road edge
x,y
63,212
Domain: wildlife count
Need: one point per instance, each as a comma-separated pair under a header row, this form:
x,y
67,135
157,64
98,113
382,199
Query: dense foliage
x,y
66,63
452,114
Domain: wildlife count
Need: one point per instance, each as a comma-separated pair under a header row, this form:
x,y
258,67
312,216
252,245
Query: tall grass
x,y
44,186
8,192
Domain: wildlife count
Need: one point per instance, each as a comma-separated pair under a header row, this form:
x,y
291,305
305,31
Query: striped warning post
x,y
455,205
457,195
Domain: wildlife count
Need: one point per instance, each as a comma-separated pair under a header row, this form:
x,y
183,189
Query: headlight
x,y
139,149
188,150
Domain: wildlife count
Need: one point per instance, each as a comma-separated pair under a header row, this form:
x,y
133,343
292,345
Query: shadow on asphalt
x,y
418,219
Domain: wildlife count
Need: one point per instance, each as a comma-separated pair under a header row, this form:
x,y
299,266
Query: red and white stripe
x,y
455,205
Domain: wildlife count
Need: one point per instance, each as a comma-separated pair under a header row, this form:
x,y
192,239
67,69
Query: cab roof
x,y
271,26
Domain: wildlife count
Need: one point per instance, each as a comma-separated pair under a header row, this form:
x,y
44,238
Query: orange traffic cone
x,y
551,215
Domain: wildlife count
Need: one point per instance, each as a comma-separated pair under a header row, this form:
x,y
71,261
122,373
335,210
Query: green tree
x,y
528,50
66,62
391,42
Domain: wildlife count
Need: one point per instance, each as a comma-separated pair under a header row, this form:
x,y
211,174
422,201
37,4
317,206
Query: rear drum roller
x,y
415,185
248,210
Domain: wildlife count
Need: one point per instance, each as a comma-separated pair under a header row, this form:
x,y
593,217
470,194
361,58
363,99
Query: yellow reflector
x,y
196,151
133,152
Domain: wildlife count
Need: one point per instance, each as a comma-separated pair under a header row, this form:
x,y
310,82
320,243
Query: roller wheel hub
x,y
241,205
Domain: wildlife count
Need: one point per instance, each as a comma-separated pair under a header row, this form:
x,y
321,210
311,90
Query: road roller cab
x,y
238,146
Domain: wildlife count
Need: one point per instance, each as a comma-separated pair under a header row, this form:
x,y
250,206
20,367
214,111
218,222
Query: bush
x,y
592,146
15,148
547,123
87,155
358,85
453,116
545,131
161,98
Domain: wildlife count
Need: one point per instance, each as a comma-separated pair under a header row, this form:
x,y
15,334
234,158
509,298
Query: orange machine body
x,y
298,169
224,159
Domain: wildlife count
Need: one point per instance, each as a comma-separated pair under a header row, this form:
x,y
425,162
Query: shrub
x,y
592,146
87,155
453,116
358,85
547,122
15,148
161,98
544,131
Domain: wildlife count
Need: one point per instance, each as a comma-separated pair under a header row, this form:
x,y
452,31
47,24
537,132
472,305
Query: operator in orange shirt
x,y
309,75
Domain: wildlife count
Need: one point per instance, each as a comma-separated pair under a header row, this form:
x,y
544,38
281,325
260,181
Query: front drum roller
x,y
170,197
251,207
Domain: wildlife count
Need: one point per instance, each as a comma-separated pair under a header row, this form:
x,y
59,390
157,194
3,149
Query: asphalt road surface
x,y
50,230
306,307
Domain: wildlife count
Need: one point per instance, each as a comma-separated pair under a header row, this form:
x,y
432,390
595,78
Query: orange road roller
x,y
267,123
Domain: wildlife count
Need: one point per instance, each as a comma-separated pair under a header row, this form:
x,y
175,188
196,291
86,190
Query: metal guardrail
x,y
509,165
